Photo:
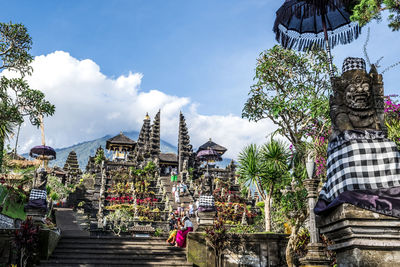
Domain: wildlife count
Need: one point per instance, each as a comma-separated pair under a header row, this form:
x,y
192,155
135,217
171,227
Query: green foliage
x,y
260,204
56,190
158,232
250,165
392,119
12,203
363,11
266,168
275,158
17,99
81,204
15,43
291,89
119,220
99,157
54,196
243,229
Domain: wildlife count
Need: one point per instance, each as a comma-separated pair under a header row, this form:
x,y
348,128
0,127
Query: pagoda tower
x,y
140,153
154,144
71,164
184,146
71,167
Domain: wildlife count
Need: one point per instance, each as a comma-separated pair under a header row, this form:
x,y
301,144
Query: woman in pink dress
x,y
181,234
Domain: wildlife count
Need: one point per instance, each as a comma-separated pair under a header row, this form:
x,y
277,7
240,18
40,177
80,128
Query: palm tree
x,y
275,156
264,167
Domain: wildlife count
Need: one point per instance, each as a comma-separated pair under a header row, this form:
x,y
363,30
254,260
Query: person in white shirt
x,y
177,200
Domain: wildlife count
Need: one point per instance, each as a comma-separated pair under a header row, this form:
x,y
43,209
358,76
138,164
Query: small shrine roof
x,y
214,146
120,140
168,157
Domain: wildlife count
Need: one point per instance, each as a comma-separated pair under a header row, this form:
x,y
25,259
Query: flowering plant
x,y
392,118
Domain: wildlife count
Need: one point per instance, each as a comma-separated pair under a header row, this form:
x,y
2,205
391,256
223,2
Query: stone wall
x,y
244,250
7,254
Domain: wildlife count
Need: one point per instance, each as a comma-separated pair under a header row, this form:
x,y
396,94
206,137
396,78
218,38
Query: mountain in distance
x,y
88,148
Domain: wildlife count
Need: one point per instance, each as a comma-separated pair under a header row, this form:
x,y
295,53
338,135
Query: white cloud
x,y
90,105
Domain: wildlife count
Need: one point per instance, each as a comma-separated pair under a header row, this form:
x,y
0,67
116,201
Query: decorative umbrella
x,y
210,144
208,155
303,24
43,152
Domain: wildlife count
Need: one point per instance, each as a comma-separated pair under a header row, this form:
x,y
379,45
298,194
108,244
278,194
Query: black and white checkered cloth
x,y
360,164
353,63
206,201
37,194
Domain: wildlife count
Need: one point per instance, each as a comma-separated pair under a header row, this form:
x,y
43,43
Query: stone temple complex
x,y
148,195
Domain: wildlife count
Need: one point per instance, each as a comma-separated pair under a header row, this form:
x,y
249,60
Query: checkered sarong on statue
x,y
37,194
206,201
359,164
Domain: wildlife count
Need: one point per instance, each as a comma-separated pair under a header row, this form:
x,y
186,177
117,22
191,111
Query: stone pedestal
x,y
205,219
315,256
37,215
362,237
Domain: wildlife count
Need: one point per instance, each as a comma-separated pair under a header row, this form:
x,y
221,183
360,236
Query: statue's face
x,y
357,93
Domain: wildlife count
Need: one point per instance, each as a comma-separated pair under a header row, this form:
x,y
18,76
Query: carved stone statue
x,y
357,102
40,179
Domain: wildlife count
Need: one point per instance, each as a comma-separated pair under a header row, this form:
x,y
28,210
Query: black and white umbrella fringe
x,y
306,41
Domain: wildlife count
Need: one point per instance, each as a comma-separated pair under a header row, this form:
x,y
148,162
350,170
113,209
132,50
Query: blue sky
x,y
203,51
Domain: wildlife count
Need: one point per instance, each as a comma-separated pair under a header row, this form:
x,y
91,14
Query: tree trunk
x,y
267,209
1,153
292,241
16,141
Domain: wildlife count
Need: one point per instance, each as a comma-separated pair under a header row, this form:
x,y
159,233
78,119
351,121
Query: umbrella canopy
x,y
305,24
43,152
214,146
208,154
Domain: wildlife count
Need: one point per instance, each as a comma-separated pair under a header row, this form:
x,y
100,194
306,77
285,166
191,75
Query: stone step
x,y
121,250
103,239
124,256
114,262
118,246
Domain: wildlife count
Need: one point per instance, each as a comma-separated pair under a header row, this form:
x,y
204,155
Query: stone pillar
x,y
315,255
362,237
205,219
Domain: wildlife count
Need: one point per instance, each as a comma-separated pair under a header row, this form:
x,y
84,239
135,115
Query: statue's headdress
x,y
353,63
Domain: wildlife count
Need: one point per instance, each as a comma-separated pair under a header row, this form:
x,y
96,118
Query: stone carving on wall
x,y
357,102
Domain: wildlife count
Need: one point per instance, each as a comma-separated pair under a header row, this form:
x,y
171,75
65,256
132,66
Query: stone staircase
x,y
115,251
186,199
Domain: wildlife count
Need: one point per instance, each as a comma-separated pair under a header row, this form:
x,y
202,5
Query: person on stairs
x,y
174,175
173,190
182,210
191,210
173,232
182,233
177,200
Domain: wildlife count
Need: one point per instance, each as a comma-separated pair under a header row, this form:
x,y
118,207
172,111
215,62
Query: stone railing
x,y
244,250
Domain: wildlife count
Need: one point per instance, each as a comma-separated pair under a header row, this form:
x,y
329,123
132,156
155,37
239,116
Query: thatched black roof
x,y
168,158
214,146
120,140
